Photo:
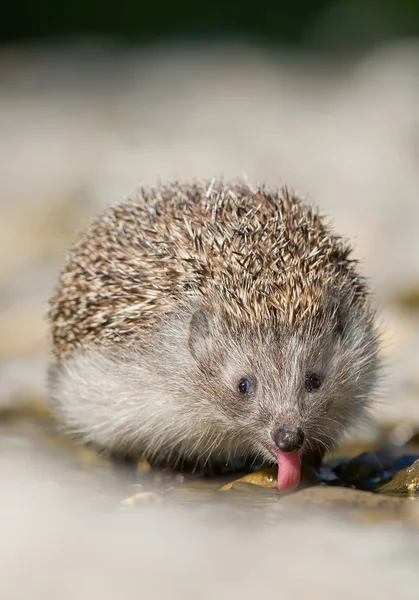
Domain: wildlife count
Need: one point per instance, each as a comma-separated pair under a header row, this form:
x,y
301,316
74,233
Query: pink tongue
x,y
289,470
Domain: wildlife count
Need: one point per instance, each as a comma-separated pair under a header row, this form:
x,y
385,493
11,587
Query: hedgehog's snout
x,y
289,439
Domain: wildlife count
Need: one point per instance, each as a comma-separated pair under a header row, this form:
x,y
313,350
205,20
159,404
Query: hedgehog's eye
x,y
313,382
244,386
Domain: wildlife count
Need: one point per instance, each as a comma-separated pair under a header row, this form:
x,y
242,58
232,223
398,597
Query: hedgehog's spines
x,y
262,254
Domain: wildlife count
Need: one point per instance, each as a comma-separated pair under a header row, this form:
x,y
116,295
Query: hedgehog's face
x,y
289,391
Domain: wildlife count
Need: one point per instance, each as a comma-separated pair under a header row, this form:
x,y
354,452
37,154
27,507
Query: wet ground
x,y
375,485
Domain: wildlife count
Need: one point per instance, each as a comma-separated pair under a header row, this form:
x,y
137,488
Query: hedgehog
x,y
212,319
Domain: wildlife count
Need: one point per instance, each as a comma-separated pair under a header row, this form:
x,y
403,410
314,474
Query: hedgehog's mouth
x,y
289,469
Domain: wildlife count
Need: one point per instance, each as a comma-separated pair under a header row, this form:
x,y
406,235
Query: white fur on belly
x,y
114,404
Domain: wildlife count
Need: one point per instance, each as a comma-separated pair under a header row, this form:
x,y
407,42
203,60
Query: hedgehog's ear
x,y
200,335
342,318
341,302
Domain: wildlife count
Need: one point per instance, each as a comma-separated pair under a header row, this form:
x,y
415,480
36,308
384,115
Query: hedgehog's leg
x,y
313,459
311,462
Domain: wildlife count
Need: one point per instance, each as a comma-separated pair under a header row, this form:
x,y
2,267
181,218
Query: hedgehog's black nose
x,y
289,439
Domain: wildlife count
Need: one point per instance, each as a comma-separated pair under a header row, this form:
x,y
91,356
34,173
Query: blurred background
x,y
97,98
